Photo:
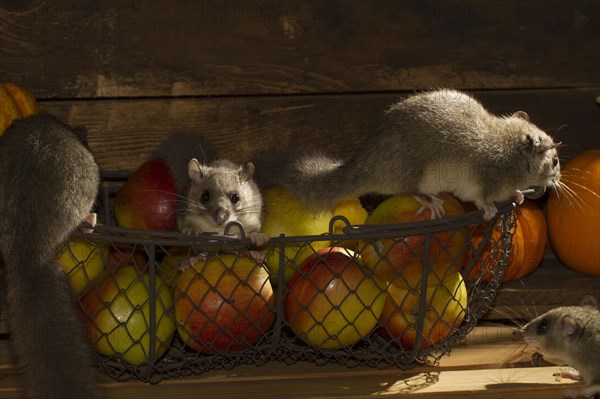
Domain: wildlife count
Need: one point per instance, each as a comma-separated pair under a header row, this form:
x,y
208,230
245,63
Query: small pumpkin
x,y
529,245
15,103
574,214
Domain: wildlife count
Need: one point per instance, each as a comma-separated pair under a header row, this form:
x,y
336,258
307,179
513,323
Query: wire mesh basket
x,y
160,305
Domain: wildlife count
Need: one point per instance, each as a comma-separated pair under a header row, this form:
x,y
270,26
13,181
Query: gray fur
x,y
48,183
570,335
432,142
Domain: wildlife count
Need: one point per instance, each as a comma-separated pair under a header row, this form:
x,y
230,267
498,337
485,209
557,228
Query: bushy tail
x,y
52,350
320,181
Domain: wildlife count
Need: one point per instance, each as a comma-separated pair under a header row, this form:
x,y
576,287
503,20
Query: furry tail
x,y
320,181
51,347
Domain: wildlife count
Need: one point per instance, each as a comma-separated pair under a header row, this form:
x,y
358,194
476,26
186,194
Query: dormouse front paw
x,y
186,263
257,238
489,210
519,197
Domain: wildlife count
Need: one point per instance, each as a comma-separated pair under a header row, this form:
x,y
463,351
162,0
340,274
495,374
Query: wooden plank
x,y
468,371
122,133
550,286
109,49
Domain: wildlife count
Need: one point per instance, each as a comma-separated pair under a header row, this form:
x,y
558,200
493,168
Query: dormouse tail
x,y
52,350
320,181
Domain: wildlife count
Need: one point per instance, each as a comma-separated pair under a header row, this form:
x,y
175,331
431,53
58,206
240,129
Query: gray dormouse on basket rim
x,y
570,335
212,193
48,185
432,142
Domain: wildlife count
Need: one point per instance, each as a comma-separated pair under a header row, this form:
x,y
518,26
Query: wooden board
x,y
485,366
122,133
142,48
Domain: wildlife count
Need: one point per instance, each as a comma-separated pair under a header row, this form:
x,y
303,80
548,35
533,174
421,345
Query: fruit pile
x,y
331,291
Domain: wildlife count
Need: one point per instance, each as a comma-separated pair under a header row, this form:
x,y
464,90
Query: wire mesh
x,y
161,305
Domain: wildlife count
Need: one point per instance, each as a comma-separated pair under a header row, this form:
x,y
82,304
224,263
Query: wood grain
x,y
142,48
123,133
483,367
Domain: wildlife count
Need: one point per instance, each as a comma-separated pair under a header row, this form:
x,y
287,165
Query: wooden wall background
x,y
261,76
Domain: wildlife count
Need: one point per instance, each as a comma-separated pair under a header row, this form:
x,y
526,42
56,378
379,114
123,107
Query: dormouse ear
x,y
195,170
530,144
569,325
521,114
246,171
589,301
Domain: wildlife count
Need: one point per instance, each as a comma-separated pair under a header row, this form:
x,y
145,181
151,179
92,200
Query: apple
x,y
446,303
15,103
117,316
355,213
397,258
284,214
84,262
121,254
224,303
147,201
332,301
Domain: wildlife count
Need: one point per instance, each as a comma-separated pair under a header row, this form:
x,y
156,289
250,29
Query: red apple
x,y
224,303
332,301
123,254
400,259
147,201
445,305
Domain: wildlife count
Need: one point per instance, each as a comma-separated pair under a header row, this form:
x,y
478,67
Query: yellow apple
x,y
117,315
332,301
445,307
83,261
284,214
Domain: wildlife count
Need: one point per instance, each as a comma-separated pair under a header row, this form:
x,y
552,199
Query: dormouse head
x,y
540,155
219,189
553,333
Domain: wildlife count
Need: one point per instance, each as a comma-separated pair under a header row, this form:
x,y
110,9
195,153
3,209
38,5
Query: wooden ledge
x,y
487,365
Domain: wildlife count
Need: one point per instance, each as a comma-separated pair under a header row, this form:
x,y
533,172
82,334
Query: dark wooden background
x,y
261,76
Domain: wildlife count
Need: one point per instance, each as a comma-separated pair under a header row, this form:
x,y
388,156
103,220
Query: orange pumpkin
x,y
529,244
574,214
15,103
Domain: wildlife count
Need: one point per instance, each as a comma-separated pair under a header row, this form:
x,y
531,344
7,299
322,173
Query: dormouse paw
x,y
519,197
256,256
186,263
489,211
91,220
188,231
571,374
434,204
585,392
257,238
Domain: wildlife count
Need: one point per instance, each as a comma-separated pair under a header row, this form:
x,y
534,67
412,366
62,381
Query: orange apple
x,y
147,201
332,301
117,315
285,214
394,258
445,306
224,303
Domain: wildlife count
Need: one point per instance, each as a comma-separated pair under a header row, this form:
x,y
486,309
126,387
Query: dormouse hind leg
x,y
489,210
434,204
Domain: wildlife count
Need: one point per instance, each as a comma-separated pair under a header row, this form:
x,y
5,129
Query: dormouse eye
x,y
543,327
205,196
554,162
235,198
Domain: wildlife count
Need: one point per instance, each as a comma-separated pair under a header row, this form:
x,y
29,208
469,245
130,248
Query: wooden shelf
x,y
488,364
